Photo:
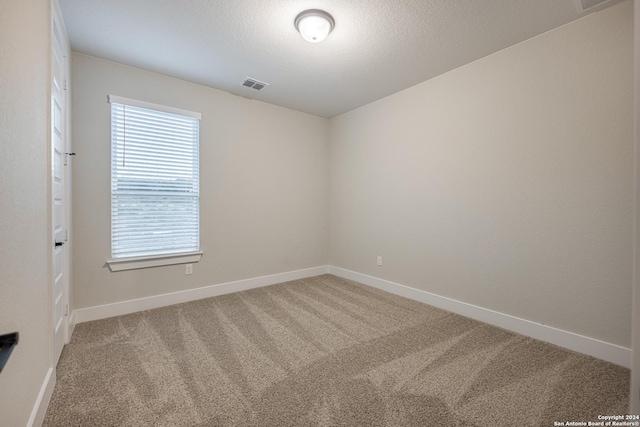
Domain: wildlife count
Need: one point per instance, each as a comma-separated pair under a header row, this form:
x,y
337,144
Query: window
x,y
155,188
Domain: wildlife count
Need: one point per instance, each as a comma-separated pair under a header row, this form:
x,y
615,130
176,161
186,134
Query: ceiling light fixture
x,y
314,25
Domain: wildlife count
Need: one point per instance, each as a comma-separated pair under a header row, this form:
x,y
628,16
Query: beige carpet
x,y
322,351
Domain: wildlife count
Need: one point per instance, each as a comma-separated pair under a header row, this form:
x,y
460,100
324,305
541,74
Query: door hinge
x,y
66,235
66,309
65,84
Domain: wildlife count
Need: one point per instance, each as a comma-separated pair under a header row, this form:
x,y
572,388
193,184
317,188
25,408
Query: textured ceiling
x,y
378,47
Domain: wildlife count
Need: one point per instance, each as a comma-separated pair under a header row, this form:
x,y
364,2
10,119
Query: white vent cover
x,y
254,84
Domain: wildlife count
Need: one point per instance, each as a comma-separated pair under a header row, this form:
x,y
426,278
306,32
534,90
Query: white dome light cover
x,y
314,25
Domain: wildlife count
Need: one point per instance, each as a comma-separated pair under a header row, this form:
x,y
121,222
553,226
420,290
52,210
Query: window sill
x,y
153,261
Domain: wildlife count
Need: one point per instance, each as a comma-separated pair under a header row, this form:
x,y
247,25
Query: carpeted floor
x,y
322,351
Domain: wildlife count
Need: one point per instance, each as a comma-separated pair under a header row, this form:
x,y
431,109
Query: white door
x,y
58,190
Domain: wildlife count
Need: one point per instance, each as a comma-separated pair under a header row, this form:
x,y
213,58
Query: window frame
x,y
153,260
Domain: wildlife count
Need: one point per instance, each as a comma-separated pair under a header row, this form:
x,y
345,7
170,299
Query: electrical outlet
x,y
189,269
379,261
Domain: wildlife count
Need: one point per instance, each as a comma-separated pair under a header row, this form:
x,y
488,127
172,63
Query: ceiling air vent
x,y
254,84
584,5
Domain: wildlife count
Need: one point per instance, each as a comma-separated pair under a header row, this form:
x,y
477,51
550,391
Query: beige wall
x,y
24,219
505,183
263,175
634,395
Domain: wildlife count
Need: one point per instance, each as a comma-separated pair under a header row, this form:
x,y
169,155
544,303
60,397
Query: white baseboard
x,y
157,301
71,326
42,402
602,350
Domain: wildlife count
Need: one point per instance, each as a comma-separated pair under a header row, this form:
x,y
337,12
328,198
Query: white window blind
x,y
155,188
